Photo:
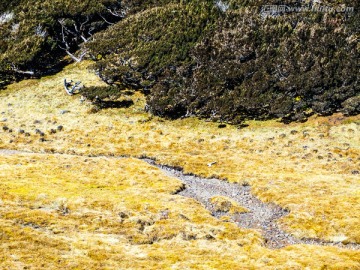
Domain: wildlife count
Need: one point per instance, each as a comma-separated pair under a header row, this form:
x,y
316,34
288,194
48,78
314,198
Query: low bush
x,y
232,61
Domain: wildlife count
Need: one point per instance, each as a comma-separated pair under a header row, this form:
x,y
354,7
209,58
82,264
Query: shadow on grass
x,y
115,104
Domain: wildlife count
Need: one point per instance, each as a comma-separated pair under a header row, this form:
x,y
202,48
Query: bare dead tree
x,y
82,29
78,32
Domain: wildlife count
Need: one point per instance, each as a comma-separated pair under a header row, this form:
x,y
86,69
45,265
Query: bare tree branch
x,y
116,14
76,59
28,72
105,19
82,26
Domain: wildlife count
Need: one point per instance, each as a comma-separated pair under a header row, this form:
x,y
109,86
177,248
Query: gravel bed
x,y
261,216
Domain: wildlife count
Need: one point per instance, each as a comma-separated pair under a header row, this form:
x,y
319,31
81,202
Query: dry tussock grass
x,y
225,204
103,212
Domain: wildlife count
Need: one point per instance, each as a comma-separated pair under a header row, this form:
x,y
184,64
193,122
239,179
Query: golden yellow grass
x,y
225,204
106,213
71,212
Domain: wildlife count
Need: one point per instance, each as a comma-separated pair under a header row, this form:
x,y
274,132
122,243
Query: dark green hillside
x,y
36,35
232,63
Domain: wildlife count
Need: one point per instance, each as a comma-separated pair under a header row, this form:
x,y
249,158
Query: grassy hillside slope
x,y
63,207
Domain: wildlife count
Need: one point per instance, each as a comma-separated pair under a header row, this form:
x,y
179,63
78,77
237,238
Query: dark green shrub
x,y
236,64
137,50
35,35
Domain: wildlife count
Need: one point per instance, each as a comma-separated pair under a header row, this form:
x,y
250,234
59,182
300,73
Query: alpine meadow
x,y
179,134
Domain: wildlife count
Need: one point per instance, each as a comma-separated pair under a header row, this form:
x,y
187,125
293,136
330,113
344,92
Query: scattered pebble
x,y
211,163
52,131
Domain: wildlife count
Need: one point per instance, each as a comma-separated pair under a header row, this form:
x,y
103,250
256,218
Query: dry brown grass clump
x,y
225,204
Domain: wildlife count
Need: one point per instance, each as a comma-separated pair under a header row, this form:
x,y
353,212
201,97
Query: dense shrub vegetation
x,y
35,35
228,60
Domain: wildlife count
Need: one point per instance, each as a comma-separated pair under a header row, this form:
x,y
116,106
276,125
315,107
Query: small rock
x,y
123,215
38,131
355,172
64,111
5,128
37,122
27,134
211,163
3,120
21,131
164,214
59,128
222,126
52,131
41,140
293,132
